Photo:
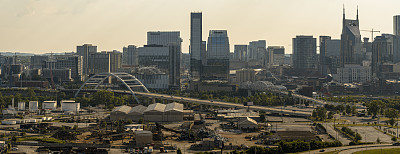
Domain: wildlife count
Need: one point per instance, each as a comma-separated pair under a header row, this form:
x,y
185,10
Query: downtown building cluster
x,y
210,64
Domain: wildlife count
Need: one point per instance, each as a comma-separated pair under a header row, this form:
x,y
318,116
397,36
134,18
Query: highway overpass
x,y
208,102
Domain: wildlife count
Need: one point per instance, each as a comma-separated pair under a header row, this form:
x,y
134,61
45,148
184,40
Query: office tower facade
x,y
105,61
154,55
323,66
37,61
171,40
276,55
350,48
351,73
396,25
72,62
240,52
332,55
174,65
130,55
85,51
257,51
195,50
304,52
217,56
382,52
164,38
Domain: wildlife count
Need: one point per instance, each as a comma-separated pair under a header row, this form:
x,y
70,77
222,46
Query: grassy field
x,y
379,151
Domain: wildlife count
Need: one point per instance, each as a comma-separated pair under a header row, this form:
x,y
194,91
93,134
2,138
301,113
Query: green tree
x,y
373,108
319,113
357,137
102,97
179,151
30,93
330,115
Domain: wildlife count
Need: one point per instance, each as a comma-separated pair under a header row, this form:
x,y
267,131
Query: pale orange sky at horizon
x,y
43,26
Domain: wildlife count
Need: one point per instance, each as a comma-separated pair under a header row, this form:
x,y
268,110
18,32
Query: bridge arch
x,y
128,80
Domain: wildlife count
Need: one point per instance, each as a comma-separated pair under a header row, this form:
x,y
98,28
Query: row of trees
x,y
262,99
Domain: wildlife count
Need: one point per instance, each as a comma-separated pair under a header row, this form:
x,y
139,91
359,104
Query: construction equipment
x,y
372,33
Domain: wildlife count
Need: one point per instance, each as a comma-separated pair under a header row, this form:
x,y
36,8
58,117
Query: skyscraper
x,y
130,55
304,52
196,52
217,56
276,55
350,46
85,51
164,38
322,54
172,40
256,50
396,25
240,52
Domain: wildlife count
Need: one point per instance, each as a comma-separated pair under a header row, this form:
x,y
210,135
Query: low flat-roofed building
x,y
136,113
173,112
155,112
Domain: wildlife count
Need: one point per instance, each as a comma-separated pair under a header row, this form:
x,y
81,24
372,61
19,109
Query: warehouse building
x,y
173,112
247,124
136,113
120,112
155,112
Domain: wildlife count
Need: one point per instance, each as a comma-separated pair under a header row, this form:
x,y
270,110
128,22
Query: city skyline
x,y
34,26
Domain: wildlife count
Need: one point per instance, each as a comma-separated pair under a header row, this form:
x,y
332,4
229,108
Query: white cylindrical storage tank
x,y
49,105
9,122
70,106
21,106
33,106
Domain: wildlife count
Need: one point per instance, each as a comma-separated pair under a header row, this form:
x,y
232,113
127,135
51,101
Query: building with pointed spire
x,y
350,45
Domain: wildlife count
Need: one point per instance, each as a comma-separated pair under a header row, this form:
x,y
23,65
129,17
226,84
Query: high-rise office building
x,y
396,25
323,66
276,55
257,50
196,52
85,51
240,52
164,38
304,52
130,55
105,61
217,56
350,48
382,52
171,41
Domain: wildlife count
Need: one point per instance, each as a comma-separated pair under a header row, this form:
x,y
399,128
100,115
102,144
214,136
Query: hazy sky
x,y
41,26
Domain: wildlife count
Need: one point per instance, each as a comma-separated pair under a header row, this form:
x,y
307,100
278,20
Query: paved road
x,y
330,129
351,149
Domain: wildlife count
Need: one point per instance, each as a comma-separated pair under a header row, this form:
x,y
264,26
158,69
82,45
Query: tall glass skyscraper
x,y
396,25
196,52
217,56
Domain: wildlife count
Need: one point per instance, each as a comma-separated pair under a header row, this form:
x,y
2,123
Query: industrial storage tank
x,y
49,105
33,106
70,106
21,106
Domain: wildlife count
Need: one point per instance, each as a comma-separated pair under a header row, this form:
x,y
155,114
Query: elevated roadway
x,y
210,102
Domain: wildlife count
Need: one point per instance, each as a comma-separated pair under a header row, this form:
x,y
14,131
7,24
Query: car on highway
x,y
396,144
14,148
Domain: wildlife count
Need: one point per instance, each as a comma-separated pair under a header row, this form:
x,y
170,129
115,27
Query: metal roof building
x,y
173,112
136,113
120,112
155,112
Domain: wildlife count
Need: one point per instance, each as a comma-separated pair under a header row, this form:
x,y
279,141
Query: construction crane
x,y
372,33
